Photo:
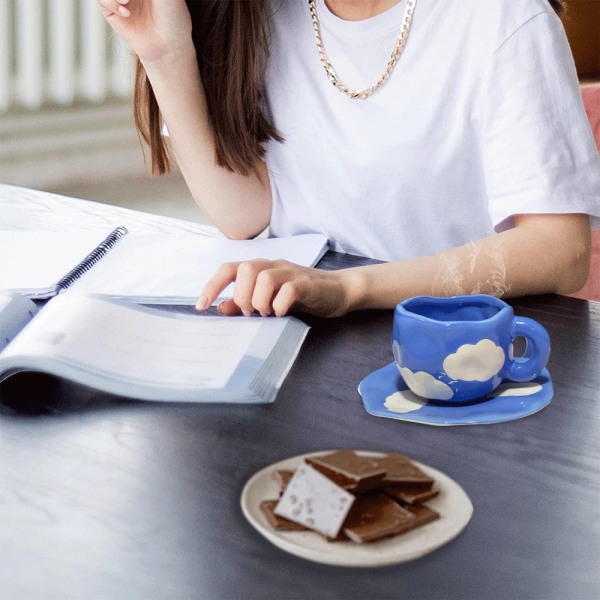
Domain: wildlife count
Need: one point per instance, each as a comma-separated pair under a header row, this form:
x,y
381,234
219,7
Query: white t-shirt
x,y
481,119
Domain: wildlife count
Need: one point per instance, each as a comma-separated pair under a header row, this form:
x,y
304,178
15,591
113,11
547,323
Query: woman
x,y
463,158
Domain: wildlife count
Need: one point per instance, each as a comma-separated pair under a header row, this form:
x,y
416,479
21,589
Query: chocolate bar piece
x,y
282,477
423,514
411,495
283,524
277,522
349,470
376,516
401,472
315,501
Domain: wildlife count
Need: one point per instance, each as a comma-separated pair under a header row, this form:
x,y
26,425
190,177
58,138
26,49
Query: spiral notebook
x,y
149,268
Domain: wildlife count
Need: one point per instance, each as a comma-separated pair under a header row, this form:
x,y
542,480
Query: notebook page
x,y
150,264
151,267
137,345
34,261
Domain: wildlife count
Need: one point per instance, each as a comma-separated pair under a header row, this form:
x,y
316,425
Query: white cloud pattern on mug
x,y
475,362
426,385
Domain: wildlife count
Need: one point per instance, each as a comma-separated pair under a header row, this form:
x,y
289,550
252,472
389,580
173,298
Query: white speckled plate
x,y
452,504
385,394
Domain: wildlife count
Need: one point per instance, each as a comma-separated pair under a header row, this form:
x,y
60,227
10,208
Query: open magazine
x,y
148,353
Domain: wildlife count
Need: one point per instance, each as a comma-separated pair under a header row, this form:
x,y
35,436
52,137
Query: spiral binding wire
x,y
92,258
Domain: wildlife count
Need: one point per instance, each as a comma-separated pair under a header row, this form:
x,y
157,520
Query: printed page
x,y
136,345
165,268
32,262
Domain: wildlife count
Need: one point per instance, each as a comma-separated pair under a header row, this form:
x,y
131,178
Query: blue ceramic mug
x,y
461,348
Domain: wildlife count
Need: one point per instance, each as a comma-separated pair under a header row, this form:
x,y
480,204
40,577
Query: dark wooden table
x,y
106,498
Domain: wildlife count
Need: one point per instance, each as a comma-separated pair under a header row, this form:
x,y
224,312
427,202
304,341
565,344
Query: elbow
x,y
237,225
241,233
238,236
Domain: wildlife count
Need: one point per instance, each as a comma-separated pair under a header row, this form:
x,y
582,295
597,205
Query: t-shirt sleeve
x,y
539,154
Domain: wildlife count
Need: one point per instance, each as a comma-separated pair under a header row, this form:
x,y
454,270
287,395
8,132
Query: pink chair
x,y
591,101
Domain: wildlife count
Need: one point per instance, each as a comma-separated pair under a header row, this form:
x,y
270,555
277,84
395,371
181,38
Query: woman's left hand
x,y
542,254
277,288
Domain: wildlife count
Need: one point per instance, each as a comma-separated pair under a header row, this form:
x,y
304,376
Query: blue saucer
x,y
385,394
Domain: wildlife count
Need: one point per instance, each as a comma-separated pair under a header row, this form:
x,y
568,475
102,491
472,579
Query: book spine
x,y
92,258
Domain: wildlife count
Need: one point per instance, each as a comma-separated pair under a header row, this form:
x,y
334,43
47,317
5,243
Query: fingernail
x,y
247,313
219,309
124,12
202,303
122,1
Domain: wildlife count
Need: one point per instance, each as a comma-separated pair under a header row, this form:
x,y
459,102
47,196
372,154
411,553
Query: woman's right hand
x,y
152,29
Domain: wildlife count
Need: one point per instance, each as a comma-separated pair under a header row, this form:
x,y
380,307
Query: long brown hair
x,y
231,41
558,6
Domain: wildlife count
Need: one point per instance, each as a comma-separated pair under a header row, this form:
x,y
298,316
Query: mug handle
x,y
537,351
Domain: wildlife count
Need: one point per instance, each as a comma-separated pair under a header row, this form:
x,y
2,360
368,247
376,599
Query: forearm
x,y
238,205
547,254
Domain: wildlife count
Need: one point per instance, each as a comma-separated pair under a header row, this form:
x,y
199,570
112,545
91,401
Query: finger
x,y
267,284
285,299
246,282
229,308
223,276
112,7
244,285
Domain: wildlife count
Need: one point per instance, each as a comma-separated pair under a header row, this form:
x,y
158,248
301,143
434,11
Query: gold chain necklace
x,y
396,52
